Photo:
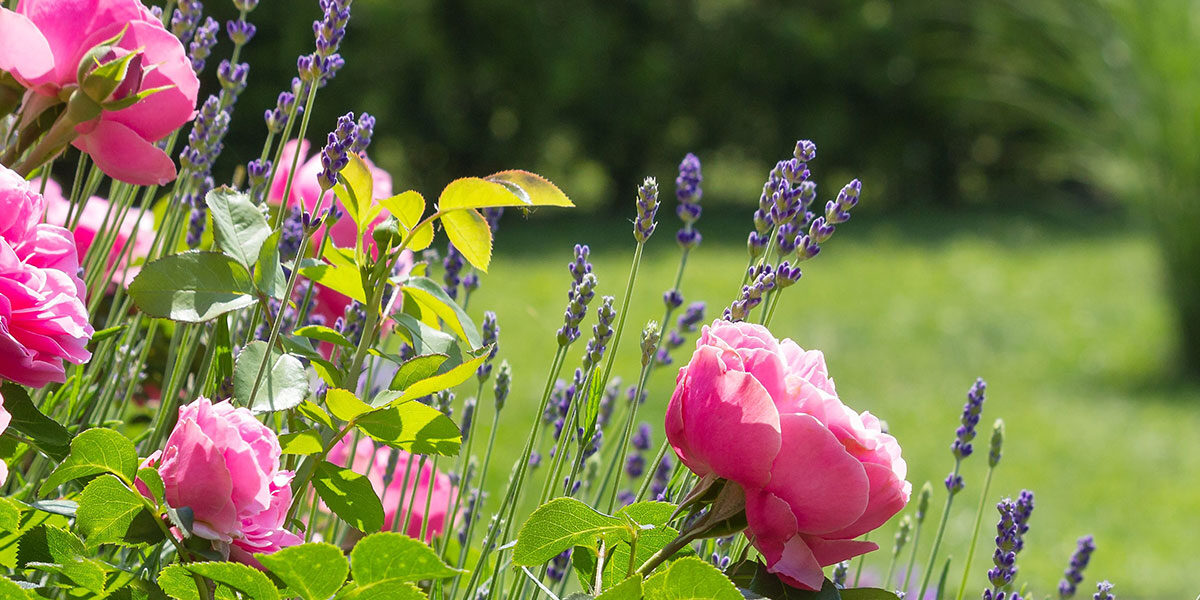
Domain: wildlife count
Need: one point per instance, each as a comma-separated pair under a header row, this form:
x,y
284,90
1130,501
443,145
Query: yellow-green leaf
x,y
407,208
355,188
344,405
470,234
532,189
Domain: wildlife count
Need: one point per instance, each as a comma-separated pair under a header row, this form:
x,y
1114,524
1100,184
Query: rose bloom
x,y
43,318
137,229
223,464
42,44
373,461
305,192
764,414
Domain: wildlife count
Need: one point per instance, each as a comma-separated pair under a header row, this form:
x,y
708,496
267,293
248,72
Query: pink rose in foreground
x,y
373,462
5,419
42,44
816,474
304,193
224,464
43,318
137,227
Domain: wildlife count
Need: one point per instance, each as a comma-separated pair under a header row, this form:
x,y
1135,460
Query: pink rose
x,y
373,462
5,419
137,227
42,44
765,414
304,194
43,318
223,464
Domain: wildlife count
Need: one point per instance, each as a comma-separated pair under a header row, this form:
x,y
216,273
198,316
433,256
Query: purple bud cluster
x,y
350,326
490,337
1103,591
291,235
583,289
662,477
321,66
840,571
651,334
559,566
557,407
785,198
762,281
452,266
467,415
688,193
363,132
635,463
503,383
257,172
202,43
961,447
276,118
240,32
685,324
185,18
1073,576
1005,557
232,78
647,208
333,155
196,225
602,332
205,141
1021,514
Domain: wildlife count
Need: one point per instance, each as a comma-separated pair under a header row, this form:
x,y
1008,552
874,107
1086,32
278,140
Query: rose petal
x,y
824,485
124,155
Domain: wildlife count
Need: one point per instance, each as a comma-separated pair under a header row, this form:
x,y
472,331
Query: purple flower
x,y
602,332
647,208
333,155
240,32
1079,561
1005,556
688,193
1103,591
962,448
202,44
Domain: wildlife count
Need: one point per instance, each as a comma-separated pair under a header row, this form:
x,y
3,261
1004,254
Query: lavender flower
x,y
331,28
292,234
333,155
202,44
185,19
635,464
232,77
205,138
363,132
626,497
277,117
196,224
641,439
467,415
647,208
763,281
559,566
492,215
1021,514
688,193
1005,556
962,448
490,337
840,571
1079,561
580,266
470,283
468,515
686,323
355,316
997,443
602,332
452,266
257,172
535,460
245,5
580,295
651,334
1103,591
240,32
502,385
662,476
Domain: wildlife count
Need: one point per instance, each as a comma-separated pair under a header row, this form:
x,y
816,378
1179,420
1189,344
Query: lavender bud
x,y
202,44
997,443
1021,513
840,571
1004,558
647,207
233,77
902,532
1073,576
452,267
1103,591
650,336
196,226
579,297
962,448
673,299
502,385
641,439
467,414
292,234
245,5
240,32
923,502
185,18
805,151
688,193
580,266
602,332
490,337
363,133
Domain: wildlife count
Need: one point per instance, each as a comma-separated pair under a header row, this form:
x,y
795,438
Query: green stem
x,y
987,483
937,540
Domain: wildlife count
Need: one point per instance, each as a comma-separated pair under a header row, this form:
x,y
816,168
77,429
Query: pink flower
x,y
43,319
224,465
42,44
137,227
304,194
373,462
816,474
5,419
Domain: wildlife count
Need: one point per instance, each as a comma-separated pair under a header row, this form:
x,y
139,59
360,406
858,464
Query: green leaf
x,y
153,482
530,188
9,590
647,514
284,384
389,555
345,405
192,287
560,524
10,514
413,427
471,235
416,369
425,339
305,442
311,571
388,589
408,209
867,594
355,188
349,495
239,227
630,589
47,434
95,451
268,272
324,334
315,413
692,579
48,544
242,578
343,279
431,296
444,381
111,513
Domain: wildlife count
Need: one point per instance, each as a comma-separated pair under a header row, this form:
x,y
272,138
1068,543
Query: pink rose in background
x,y
816,474
42,44
304,193
372,461
5,419
224,464
43,318
137,227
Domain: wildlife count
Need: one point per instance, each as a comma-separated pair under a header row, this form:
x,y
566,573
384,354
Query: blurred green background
x,y
1031,172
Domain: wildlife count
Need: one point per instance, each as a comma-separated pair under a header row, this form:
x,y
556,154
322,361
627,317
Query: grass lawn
x,y
1066,320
